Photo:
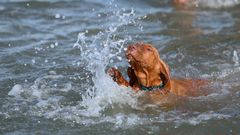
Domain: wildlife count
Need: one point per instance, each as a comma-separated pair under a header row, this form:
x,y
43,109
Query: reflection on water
x,y
54,56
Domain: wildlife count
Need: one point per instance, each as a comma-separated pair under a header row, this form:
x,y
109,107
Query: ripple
x,y
213,22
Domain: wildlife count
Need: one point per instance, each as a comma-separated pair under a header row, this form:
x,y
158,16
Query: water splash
x,y
47,96
97,52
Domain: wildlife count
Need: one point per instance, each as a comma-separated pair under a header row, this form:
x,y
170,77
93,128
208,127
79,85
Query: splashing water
x,y
101,100
97,52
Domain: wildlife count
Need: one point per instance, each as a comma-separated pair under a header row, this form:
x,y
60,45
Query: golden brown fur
x,y
148,69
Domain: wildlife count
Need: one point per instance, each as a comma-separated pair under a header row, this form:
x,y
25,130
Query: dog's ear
x,y
132,76
165,74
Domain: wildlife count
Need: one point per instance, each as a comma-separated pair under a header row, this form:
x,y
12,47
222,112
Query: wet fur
x,y
148,69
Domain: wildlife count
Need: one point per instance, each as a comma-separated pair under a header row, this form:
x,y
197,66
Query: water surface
x,y
53,57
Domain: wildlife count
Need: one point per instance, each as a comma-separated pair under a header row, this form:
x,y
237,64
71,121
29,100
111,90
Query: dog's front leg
x,y
117,77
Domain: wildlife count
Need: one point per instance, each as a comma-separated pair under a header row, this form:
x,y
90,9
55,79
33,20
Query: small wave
x,y
200,118
213,22
215,3
41,87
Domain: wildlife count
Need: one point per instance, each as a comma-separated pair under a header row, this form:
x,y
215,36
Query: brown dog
x,y
151,74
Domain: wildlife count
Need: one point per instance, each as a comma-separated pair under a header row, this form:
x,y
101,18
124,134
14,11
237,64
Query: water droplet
x,y
120,58
33,61
52,46
52,72
57,16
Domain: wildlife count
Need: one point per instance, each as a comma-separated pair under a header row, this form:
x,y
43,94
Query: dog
x,y
149,73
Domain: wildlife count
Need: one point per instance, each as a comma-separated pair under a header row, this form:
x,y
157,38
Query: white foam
x,y
16,91
228,72
216,3
202,117
126,121
57,16
235,58
109,93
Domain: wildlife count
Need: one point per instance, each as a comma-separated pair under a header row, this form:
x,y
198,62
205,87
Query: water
x,y
54,56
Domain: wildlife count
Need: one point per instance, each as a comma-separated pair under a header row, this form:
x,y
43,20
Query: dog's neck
x,y
147,76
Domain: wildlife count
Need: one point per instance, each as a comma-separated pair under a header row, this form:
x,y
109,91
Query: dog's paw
x,y
114,73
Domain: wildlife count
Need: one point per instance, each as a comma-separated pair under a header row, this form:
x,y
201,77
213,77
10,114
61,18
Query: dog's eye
x,y
149,49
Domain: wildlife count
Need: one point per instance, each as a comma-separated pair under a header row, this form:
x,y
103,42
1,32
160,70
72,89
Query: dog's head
x,y
146,57
141,54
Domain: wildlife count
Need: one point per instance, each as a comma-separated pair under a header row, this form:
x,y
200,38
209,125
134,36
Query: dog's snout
x,y
132,47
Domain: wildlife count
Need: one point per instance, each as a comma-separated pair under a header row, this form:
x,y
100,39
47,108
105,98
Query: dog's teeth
x,y
125,49
129,60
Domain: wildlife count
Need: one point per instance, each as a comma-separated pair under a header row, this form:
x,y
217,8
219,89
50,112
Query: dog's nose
x,y
132,47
